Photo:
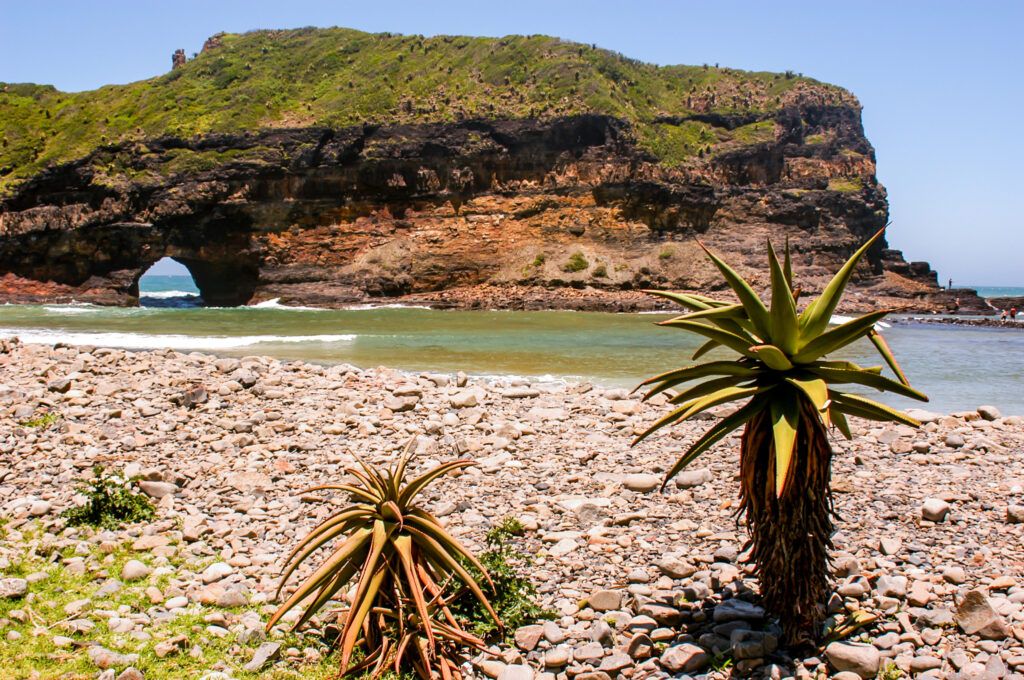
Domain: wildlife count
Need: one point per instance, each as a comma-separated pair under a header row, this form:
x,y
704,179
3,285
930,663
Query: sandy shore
x,y
645,584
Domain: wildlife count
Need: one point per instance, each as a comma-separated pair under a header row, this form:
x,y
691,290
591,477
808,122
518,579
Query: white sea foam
x,y
73,308
394,305
148,341
164,294
275,303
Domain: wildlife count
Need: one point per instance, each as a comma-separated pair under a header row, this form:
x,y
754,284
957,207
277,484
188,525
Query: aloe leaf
x,y
704,349
347,550
403,546
432,548
867,408
748,298
682,299
839,420
815,388
672,378
707,387
816,317
866,378
840,336
772,357
355,491
714,435
785,330
413,488
883,348
357,615
733,341
785,412
429,524
787,270
696,406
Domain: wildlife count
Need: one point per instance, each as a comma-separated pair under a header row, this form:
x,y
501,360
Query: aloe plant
x,y
407,570
790,392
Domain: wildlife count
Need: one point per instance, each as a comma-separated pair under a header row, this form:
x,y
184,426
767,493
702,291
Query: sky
x,y
940,82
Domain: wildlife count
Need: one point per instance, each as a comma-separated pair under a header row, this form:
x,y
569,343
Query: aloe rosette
x,y
790,391
407,570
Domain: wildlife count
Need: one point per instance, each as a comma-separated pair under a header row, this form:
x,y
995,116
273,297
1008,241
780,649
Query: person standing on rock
x,y
949,286
1013,314
1003,317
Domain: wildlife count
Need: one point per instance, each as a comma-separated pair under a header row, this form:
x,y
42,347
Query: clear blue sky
x,y
940,82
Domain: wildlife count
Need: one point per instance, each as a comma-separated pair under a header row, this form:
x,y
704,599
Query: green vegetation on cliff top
x,y
339,77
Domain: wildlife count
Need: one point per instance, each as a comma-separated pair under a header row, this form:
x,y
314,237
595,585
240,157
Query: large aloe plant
x,y
790,393
407,571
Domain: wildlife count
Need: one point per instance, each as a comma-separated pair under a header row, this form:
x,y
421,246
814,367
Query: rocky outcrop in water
x,y
559,208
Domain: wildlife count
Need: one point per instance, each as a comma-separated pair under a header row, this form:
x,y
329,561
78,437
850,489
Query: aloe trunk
x,y
789,533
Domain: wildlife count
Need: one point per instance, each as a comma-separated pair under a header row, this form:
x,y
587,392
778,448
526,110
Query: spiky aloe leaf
x,y
785,411
837,376
712,436
672,378
838,337
733,341
772,357
883,348
756,311
816,317
785,328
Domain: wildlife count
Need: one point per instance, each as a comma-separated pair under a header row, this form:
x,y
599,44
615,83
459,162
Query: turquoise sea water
x,y
999,291
958,367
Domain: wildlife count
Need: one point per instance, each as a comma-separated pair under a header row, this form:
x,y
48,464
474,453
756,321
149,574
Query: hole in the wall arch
x,y
168,283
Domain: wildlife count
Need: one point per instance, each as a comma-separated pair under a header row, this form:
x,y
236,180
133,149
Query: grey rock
x,y
590,513
60,385
750,644
954,440
976,615
605,600
559,656
641,482
1015,514
104,658
602,634
131,673
527,637
12,588
640,647
687,479
134,570
615,662
158,489
662,613
934,509
520,393
232,598
674,566
861,659
553,633
588,652
989,412
892,586
685,658
516,671
737,610
464,399
267,651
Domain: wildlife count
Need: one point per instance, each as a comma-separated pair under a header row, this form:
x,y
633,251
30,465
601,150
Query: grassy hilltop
x,y
339,77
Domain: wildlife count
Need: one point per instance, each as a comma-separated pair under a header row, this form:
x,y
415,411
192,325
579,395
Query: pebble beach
x,y
642,582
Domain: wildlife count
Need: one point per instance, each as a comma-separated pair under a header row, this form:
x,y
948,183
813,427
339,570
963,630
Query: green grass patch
x,y
38,619
45,420
576,263
513,598
111,503
845,184
340,77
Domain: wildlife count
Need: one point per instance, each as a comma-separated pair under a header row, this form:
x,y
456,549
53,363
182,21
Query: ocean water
x,y
960,368
999,291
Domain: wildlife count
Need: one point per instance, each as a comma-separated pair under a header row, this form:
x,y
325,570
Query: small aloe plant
x,y
789,393
407,570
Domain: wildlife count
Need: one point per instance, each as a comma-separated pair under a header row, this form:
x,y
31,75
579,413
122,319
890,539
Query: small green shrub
x,y
44,420
576,263
540,260
665,254
513,594
599,271
111,503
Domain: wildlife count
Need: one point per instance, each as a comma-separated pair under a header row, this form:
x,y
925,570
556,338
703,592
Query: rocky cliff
x,y
568,207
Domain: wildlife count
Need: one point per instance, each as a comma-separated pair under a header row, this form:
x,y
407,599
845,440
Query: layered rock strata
x,y
539,213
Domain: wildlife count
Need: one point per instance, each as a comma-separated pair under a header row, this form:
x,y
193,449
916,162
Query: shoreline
x,y
227,470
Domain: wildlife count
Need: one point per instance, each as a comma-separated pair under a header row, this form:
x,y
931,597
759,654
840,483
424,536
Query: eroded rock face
x,y
451,214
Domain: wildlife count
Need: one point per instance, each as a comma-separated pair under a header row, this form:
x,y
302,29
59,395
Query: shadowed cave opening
x,y
168,283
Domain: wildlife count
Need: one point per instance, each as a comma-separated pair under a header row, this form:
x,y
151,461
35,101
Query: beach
x,y
644,583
